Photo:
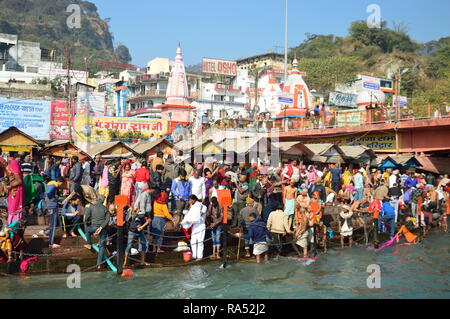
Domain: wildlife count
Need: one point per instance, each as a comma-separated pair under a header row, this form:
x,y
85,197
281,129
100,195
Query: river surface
x,y
417,271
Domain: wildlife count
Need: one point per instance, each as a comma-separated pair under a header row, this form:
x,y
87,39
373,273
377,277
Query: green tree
x,y
324,74
123,54
439,62
317,46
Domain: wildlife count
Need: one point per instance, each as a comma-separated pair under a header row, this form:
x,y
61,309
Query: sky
x,y
232,29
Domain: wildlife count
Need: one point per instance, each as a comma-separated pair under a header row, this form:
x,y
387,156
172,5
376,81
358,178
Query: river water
x,y
417,271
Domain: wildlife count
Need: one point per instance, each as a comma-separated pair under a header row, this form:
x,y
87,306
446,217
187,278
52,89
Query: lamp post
x,y
285,41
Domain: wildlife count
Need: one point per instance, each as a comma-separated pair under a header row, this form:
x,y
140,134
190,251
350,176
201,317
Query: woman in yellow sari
x,y
346,177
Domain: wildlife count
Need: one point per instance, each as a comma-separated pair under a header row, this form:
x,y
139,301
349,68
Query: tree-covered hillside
x,y
378,52
45,21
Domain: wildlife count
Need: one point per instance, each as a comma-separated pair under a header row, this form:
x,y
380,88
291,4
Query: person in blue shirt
x,y
359,185
411,181
51,198
387,214
259,234
181,190
72,215
335,178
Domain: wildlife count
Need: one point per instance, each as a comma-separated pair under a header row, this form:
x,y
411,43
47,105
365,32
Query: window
x,y
386,84
218,97
231,99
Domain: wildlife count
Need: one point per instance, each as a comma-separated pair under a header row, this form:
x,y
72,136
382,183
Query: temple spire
x,y
177,88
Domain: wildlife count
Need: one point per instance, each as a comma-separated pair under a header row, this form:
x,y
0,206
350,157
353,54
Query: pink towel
x,y
390,242
24,264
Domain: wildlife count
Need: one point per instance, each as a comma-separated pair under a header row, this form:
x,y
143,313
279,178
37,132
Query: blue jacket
x,y
410,182
181,188
258,231
387,209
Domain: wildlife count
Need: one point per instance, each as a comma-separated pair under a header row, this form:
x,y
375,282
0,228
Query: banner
x,y
343,99
376,142
59,117
91,104
106,129
30,116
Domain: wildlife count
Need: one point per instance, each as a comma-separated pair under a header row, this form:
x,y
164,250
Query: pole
x,y
396,95
225,246
69,97
239,246
286,42
120,201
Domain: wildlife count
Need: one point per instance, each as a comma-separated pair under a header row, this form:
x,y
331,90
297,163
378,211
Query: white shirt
x,y
392,180
198,187
195,217
330,198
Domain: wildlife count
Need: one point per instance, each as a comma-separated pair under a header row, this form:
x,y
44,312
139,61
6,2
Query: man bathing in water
x,y
290,195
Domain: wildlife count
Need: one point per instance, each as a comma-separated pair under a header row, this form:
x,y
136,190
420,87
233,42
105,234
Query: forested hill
x,y
328,59
45,21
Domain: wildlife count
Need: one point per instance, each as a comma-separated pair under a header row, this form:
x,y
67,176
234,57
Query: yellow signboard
x,y
106,129
376,142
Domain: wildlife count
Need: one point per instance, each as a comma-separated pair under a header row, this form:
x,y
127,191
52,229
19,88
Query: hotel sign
x,y
219,67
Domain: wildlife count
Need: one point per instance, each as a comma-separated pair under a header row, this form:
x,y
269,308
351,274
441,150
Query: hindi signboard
x,y
59,118
219,67
343,99
30,116
107,129
376,142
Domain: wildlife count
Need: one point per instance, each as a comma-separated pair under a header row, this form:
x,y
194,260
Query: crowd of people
x,y
268,203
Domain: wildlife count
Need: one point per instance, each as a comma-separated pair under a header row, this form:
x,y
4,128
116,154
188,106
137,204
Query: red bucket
x,y
187,256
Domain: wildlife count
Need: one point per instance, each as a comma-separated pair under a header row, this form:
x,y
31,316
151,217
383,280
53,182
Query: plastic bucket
x,y
187,256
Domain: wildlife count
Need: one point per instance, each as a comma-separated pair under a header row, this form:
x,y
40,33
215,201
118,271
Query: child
x,y
259,234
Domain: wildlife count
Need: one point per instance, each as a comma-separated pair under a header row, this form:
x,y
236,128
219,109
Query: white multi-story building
x,y
25,61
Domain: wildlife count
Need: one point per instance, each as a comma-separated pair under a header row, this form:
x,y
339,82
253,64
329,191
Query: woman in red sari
x,y
15,191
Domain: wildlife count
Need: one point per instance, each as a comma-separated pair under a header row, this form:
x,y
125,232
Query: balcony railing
x,y
334,121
